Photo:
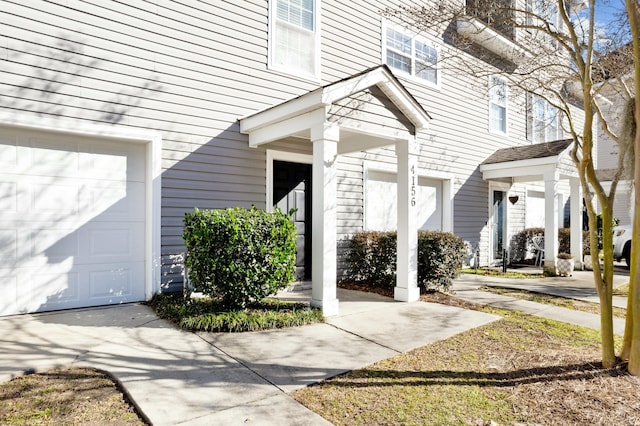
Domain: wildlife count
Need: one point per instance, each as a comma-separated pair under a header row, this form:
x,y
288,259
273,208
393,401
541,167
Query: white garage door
x,y
72,212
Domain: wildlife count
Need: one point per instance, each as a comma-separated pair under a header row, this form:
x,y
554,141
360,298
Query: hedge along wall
x,y
240,255
371,258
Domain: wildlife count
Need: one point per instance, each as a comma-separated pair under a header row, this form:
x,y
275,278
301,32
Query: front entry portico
x,y
549,162
365,111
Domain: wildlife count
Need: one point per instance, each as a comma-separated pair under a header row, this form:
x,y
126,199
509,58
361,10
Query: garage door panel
x,y
53,245
67,285
51,156
120,162
59,286
72,227
9,286
8,150
57,198
112,283
8,246
109,203
39,199
115,244
8,197
96,242
73,157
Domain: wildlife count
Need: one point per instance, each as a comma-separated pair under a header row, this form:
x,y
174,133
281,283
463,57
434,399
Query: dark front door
x,y
292,190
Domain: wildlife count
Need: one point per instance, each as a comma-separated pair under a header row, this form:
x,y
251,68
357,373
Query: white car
x,y
622,243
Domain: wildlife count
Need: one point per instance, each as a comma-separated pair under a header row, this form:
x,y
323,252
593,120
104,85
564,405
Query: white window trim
x,y
274,155
447,189
317,43
410,76
506,106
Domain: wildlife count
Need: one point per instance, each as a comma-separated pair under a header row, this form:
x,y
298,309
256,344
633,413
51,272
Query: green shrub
x,y
520,243
237,255
440,256
371,258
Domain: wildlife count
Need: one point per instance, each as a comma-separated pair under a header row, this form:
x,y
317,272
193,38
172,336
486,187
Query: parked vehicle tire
x,y
627,253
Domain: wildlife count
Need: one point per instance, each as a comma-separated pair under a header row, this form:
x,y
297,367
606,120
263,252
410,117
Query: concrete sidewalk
x,y
177,377
579,286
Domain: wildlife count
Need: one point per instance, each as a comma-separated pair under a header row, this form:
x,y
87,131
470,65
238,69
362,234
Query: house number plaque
x,y
413,186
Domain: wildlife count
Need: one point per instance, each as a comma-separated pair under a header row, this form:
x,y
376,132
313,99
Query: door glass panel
x,y
498,224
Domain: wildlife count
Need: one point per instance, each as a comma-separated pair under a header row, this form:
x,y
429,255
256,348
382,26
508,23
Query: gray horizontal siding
x,y
190,69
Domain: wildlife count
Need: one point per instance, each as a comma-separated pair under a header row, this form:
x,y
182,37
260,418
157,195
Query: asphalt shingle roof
x,y
528,152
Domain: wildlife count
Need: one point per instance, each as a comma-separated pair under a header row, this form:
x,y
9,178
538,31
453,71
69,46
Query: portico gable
x,y
368,110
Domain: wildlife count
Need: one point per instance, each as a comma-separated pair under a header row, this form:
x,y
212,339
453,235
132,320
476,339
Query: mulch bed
x,y
425,296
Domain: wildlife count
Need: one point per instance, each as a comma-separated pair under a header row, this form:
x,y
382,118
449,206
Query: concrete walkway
x,y
177,377
580,286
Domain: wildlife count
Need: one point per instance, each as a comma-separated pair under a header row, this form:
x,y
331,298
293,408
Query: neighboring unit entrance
x,y
72,221
292,190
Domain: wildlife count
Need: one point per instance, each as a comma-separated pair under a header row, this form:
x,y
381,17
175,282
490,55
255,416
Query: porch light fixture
x,y
513,199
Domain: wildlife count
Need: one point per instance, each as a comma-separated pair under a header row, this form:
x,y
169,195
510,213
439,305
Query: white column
x,y
576,221
551,179
406,289
447,205
324,188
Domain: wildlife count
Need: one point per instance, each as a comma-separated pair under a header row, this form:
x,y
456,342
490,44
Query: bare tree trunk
x,y
632,330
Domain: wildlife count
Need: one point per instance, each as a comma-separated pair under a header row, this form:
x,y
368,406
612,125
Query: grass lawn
x,y
67,396
578,305
521,370
492,272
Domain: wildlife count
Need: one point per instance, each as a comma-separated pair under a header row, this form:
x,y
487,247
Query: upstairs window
x,y
497,105
412,55
294,37
543,121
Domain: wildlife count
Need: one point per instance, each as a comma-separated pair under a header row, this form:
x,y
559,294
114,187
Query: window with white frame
x,y
410,54
543,121
497,104
294,37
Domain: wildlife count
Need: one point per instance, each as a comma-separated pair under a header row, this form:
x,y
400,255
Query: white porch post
x,y
551,179
576,221
406,289
323,262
